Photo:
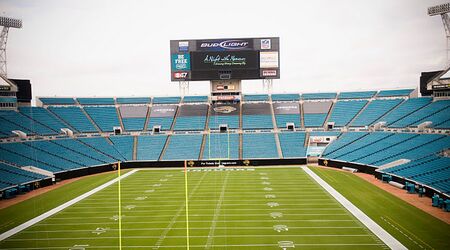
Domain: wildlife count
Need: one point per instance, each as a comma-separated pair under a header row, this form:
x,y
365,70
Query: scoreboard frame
x,y
225,59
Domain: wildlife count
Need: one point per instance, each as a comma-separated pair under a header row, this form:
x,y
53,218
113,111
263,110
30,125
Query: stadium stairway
x,y
166,145
302,116
90,119
119,116
147,117
330,111
359,113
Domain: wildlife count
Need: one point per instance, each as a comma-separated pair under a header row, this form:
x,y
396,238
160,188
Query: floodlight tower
x,y
442,10
7,23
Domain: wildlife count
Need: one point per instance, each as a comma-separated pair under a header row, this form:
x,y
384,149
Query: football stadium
x,y
229,168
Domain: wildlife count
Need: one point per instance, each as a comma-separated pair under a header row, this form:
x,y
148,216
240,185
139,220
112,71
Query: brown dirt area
x,y
422,203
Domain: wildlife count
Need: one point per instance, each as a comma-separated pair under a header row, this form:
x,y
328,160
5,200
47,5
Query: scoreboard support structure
x,y
183,86
267,85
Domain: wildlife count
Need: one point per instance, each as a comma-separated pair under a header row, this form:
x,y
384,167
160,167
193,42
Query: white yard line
x,y
209,241
388,239
177,214
59,208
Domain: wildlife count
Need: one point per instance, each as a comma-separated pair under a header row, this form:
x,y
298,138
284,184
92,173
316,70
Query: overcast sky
x,y
121,48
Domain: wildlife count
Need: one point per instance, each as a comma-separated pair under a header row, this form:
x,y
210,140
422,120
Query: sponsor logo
x,y
180,75
181,62
269,73
224,109
225,45
266,44
268,60
183,46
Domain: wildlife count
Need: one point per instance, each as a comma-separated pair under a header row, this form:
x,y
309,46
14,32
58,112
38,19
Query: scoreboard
x,y
224,59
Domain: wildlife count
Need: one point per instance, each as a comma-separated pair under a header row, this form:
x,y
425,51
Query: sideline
x,y
388,239
59,208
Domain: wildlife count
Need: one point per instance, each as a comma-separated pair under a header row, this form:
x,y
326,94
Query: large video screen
x,y
224,60
220,59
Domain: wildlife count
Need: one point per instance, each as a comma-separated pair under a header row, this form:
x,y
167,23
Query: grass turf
x,y
227,210
408,224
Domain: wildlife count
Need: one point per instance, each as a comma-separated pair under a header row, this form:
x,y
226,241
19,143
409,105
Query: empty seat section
x,y
75,117
421,114
285,97
318,96
124,145
226,114
103,145
16,176
438,118
256,116
133,100
96,101
389,153
287,112
25,157
67,154
259,145
199,98
374,147
221,146
105,117
344,111
425,144
133,117
44,117
374,111
183,147
57,101
191,117
17,121
150,147
357,95
6,128
162,115
443,125
292,144
395,92
27,150
84,149
315,113
166,100
256,98
342,141
358,144
404,109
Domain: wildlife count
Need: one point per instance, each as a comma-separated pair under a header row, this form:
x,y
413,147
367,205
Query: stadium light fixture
x,y
443,10
10,22
6,22
439,9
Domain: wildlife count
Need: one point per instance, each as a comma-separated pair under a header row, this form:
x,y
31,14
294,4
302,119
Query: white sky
x,y
121,48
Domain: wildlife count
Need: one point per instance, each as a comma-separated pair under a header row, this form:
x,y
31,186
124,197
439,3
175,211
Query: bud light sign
x,y
181,62
225,45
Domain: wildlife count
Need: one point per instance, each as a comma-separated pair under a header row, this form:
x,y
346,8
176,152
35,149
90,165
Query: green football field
x,y
249,208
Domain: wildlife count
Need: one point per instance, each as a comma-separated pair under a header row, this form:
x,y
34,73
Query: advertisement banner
x,y
181,62
225,45
224,60
268,60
